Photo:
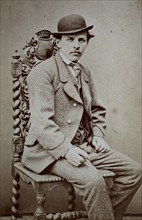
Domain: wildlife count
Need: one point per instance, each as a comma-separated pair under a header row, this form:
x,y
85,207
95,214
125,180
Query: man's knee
x,y
93,179
93,183
135,172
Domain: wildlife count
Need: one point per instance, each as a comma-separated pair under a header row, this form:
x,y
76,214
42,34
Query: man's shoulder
x,y
43,68
45,65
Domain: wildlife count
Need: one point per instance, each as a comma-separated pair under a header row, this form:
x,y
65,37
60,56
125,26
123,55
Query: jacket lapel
x,y
69,87
85,91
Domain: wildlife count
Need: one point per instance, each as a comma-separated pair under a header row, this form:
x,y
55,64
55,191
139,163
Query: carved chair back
x,y
37,49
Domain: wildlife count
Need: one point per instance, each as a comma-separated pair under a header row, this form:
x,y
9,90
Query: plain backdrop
x,y
114,58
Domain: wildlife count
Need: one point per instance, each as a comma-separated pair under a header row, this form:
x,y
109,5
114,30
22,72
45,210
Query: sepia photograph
x,y
70,145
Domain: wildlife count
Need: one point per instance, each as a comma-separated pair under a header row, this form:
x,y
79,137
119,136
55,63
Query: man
x,y
68,125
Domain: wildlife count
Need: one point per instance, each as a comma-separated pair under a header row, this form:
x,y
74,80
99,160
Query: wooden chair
x,y
38,48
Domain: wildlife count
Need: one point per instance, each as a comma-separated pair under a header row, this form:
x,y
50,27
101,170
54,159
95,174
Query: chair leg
x,y
71,198
15,197
40,213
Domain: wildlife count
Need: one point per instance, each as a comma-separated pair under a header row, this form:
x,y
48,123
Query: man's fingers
x,y
87,148
77,156
83,154
100,145
74,163
103,149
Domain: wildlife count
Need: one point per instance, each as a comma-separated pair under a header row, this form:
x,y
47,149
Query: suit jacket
x,y
56,111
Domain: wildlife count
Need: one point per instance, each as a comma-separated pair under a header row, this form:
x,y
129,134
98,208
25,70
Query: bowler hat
x,y
72,24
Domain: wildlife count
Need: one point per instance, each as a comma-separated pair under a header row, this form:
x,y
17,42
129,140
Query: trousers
x,y
89,183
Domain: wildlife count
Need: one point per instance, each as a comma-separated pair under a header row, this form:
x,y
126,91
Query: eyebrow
x,y
72,36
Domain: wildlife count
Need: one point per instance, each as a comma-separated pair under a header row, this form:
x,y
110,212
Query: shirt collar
x,y
65,59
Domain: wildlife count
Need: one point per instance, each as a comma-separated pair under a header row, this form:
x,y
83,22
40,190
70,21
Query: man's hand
x,y
100,145
85,147
76,156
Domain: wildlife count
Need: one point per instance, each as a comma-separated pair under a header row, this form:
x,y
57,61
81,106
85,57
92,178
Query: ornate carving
x,y
32,48
25,99
25,178
25,110
17,145
17,140
44,34
28,55
16,56
67,215
28,60
40,212
15,197
71,198
35,50
16,69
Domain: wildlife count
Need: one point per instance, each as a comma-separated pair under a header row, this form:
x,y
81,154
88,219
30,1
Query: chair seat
x,y
50,177
40,180
37,177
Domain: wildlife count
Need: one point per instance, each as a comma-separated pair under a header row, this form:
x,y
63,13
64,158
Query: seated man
x,y
68,125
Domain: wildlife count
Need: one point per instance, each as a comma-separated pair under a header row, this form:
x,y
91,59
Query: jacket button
x,y
69,121
74,105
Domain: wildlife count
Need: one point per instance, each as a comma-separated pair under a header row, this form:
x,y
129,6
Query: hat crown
x,y
71,22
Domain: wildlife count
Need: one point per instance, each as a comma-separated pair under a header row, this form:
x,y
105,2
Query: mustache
x,y
75,51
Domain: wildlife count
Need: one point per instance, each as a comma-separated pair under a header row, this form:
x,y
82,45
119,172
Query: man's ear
x,y
58,43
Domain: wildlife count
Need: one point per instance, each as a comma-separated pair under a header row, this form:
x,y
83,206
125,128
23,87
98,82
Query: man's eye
x,y
82,40
70,39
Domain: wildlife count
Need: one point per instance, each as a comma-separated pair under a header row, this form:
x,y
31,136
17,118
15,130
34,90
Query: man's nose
x,y
76,44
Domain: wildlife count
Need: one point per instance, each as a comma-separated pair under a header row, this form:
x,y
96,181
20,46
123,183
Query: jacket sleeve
x,y
43,128
98,111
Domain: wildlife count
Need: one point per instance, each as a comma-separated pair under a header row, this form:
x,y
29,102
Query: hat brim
x,y
55,34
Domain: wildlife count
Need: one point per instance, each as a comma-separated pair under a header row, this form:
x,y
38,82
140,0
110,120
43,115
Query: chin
x,y
74,59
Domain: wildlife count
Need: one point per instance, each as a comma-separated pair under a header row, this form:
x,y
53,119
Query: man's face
x,y
73,45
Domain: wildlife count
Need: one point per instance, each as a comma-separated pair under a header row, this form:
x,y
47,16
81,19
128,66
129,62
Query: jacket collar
x,y
69,87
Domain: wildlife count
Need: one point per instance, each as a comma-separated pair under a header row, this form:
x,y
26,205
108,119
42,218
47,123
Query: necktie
x,y
77,70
